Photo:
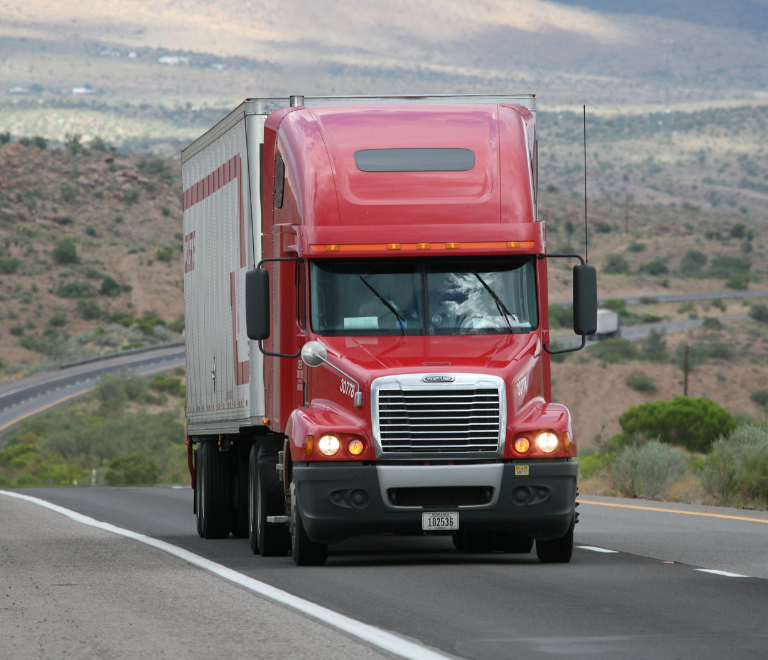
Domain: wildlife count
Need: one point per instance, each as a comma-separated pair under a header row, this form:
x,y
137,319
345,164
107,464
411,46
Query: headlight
x,y
546,442
522,445
329,445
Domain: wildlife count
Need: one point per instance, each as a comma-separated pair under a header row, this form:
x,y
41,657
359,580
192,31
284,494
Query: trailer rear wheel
x,y
268,499
557,551
305,552
214,501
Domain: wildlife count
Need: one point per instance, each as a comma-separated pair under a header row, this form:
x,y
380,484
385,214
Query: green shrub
x,y
88,310
646,300
132,470
759,313
615,351
738,230
58,321
64,220
703,352
641,382
660,466
68,192
72,142
738,282
652,318
727,267
155,166
178,324
65,252
692,263
720,304
40,142
686,307
655,347
560,316
99,144
737,468
76,289
712,324
760,397
17,330
616,304
636,246
170,384
615,264
9,266
131,195
109,287
165,254
123,318
591,466
603,227
655,267
624,472
691,423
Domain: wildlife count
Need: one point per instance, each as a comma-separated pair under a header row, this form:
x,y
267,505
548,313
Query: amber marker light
x,y
309,445
393,246
332,248
546,442
355,447
329,445
567,442
423,246
452,246
522,445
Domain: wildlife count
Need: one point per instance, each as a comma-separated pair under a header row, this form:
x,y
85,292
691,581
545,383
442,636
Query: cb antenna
x,y
586,231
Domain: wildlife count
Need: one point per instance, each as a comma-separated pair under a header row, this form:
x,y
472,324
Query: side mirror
x,y
313,354
584,299
257,319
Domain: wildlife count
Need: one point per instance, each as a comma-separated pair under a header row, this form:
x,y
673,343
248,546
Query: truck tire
x,y
271,540
214,501
305,552
557,551
513,543
253,468
240,489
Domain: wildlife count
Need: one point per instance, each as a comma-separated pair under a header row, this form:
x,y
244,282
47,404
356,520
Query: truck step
x,y
276,520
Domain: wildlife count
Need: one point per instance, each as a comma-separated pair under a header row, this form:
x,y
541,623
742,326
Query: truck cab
x,y
399,305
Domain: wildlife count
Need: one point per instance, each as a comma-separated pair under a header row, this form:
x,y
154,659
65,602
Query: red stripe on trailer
x,y
199,191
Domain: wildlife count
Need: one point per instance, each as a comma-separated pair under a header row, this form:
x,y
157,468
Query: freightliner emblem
x,y
437,379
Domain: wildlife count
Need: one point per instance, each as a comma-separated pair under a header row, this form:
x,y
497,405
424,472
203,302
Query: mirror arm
x,y
358,398
285,355
563,255
567,350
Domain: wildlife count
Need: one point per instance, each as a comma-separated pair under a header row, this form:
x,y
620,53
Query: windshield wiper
x,y
388,305
499,304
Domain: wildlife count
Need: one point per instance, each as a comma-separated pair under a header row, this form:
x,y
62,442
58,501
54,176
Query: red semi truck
x,y
367,332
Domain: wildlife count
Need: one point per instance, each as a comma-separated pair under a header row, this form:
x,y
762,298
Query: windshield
x,y
474,295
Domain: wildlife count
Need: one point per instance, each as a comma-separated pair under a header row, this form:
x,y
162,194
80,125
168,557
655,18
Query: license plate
x,y
439,520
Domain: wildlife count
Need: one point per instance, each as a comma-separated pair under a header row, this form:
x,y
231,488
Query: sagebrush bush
x,y
737,467
615,351
65,252
641,382
648,470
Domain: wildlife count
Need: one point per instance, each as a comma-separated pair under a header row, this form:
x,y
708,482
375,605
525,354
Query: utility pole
x,y
626,214
685,386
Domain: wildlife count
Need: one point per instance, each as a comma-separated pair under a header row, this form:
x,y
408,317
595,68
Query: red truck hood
x,y
367,358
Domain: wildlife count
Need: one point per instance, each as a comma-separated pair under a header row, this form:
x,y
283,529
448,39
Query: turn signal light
x,y
332,248
393,246
567,442
546,442
355,447
522,445
309,445
452,246
423,246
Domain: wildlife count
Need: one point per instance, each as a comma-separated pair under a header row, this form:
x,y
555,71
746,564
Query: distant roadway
x,y
30,396
678,297
647,580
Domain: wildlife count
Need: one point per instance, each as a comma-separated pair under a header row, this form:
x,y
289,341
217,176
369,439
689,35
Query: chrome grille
x,y
449,420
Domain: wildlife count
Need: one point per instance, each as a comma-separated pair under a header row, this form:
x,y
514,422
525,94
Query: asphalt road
x,y
26,397
629,603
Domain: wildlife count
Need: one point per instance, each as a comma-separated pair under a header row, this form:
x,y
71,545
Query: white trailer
x,y
608,324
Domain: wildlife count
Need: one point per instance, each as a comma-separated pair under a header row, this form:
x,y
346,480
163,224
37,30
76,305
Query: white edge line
x,y
370,634
595,549
714,572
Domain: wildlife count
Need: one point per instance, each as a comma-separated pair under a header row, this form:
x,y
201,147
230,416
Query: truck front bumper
x,y
339,501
